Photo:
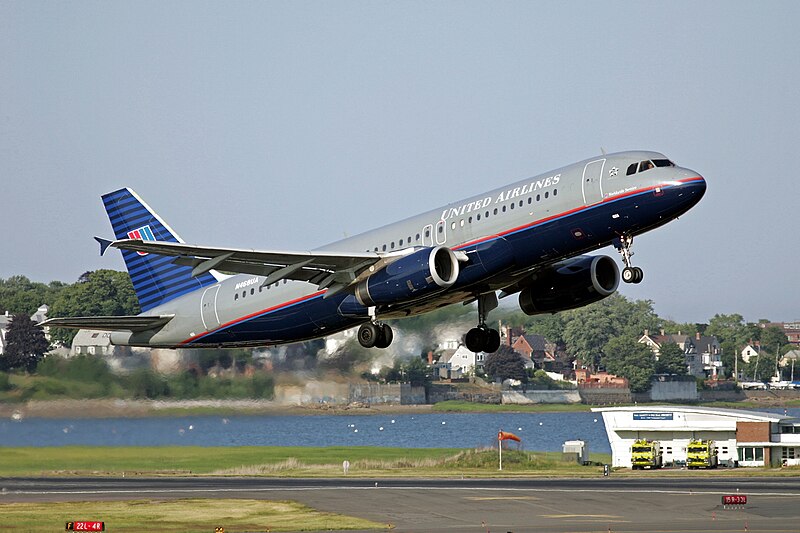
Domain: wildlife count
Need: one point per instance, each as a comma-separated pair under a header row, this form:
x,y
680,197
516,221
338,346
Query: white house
x,y
465,361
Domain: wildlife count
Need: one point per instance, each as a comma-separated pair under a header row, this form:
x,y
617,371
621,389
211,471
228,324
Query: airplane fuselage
x,y
504,233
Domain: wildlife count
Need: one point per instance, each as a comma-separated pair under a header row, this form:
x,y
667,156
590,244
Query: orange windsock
x,y
504,435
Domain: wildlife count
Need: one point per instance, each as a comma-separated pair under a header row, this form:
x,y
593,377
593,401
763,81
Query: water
x,y
538,431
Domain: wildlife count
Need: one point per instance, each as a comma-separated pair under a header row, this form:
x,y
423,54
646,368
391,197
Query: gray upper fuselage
x,y
455,225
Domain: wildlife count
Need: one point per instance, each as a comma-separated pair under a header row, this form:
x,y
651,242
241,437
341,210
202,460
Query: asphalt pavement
x,y
603,504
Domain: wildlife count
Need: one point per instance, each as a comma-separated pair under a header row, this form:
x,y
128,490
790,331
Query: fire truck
x,y
701,454
646,454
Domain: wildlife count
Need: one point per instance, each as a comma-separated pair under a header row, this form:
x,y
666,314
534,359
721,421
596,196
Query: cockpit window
x,y
647,165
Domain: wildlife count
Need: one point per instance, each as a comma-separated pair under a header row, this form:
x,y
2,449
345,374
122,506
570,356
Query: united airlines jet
x,y
526,238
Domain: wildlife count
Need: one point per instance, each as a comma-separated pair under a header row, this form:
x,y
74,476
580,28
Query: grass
x,y
283,461
457,406
185,516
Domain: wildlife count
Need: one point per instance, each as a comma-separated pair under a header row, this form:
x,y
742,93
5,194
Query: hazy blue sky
x,y
285,125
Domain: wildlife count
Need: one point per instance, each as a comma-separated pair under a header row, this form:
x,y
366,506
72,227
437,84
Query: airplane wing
x,y
328,270
109,323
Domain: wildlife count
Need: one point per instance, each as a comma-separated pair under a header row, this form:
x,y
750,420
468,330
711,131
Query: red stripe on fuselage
x,y
257,313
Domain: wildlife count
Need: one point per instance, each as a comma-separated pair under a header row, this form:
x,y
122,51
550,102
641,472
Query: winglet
x,y
104,244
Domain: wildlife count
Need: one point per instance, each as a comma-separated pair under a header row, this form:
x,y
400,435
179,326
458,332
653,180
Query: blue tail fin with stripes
x,y
156,279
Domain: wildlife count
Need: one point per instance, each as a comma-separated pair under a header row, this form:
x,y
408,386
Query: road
x,y
475,505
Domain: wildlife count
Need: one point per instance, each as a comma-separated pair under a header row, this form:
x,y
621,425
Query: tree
x,y
25,344
504,364
97,293
626,357
671,359
18,294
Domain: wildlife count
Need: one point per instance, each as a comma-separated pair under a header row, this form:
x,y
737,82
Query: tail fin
x,y
156,279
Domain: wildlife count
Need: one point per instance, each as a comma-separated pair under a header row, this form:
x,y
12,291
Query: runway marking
x,y
611,516
482,498
174,490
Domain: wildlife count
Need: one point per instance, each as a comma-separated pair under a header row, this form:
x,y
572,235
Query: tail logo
x,y
144,234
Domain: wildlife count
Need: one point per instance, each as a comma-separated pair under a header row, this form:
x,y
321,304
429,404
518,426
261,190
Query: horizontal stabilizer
x,y
104,244
109,323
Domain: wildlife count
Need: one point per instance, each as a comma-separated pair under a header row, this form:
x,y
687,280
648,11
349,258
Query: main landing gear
x,y
630,274
375,335
483,338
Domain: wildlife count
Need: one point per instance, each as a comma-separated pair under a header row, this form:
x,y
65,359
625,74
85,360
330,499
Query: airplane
x,y
528,238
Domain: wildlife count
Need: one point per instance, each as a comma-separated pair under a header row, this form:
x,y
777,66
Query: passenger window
x,y
236,296
495,210
384,247
478,216
417,237
392,245
453,225
441,228
555,192
530,200
547,194
504,209
512,206
469,220
538,197
252,291
401,242
520,203
427,233
486,214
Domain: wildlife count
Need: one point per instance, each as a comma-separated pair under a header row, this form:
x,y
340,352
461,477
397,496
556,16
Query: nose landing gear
x,y
630,274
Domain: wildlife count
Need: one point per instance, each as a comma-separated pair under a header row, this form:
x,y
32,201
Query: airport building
x,y
743,438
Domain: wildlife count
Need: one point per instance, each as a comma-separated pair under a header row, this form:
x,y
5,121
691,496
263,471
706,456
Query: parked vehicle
x,y
646,454
701,454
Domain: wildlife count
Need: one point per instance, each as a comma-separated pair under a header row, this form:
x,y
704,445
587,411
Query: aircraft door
x,y
208,308
441,232
592,182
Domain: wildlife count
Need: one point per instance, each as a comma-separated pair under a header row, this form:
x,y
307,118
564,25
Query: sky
x,y
287,125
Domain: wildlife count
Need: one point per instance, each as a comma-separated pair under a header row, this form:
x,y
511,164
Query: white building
x,y
464,360
746,438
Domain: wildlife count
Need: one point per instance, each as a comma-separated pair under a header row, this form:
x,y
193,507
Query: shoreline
x,y
121,408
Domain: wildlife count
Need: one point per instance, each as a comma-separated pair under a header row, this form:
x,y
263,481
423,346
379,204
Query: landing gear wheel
x,y
492,341
482,339
476,339
368,335
385,336
628,275
638,275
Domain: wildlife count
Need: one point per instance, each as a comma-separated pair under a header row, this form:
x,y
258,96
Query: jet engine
x,y
418,274
569,284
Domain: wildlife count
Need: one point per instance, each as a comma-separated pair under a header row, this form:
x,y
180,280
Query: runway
x,y
475,505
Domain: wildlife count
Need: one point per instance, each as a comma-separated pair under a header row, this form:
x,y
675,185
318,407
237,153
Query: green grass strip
x,y
184,516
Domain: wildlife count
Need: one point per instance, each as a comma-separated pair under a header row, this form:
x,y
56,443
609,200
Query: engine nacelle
x,y
415,275
569,284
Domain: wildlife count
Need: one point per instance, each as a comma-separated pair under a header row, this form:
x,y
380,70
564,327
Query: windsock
x,y
504,435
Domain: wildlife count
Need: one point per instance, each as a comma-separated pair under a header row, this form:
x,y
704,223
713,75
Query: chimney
x,y
697,336
430,357
647,333
662,332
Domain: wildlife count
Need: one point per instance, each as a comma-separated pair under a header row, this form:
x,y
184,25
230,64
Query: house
x,y
749,351
533,347
703,353
790,329
463,360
